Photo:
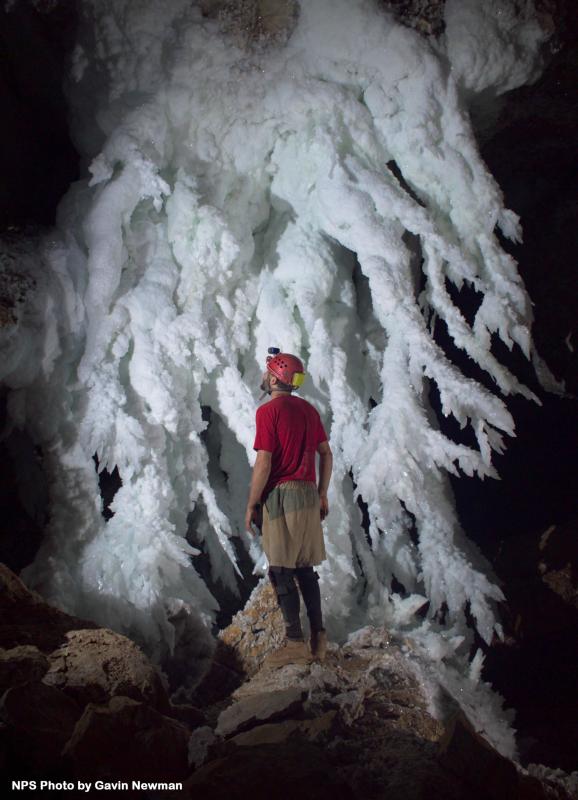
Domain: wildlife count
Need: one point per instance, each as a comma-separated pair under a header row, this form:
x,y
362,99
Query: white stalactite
x,y
242,199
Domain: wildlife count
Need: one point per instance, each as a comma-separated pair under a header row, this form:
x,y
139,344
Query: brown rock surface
x,y
222,677
275,732
256,630
484,772
284,772
358,714
558,561
361,715
189,715
535,668
540,571
95,665
201,743
39,720
27,619
251,22
55,665
20,665
88,663
127,740
425,16
260,707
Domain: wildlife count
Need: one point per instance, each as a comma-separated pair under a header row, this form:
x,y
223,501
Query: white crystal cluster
x,y
322,196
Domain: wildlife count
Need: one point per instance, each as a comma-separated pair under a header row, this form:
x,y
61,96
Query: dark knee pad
x,y
285,587
306,576
283,580
309,585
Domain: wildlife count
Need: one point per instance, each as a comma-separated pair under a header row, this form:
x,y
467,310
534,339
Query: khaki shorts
x,y
292,533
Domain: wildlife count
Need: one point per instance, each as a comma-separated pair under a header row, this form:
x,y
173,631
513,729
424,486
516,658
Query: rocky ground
x,y
84,703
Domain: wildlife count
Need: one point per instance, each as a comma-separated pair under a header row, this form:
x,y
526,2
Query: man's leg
x,y
283,580
309,585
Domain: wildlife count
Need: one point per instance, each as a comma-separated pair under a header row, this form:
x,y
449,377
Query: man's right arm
x,y
325,468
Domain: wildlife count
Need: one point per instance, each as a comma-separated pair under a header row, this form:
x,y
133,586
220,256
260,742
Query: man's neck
x,y
278,393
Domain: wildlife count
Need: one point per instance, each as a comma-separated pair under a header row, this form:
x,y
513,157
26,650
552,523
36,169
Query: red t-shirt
x,y
290,428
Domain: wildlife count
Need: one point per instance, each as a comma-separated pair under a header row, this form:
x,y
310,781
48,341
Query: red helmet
x,y
289,369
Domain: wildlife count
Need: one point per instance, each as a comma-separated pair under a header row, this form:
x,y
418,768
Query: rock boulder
x,y
126,740
94,665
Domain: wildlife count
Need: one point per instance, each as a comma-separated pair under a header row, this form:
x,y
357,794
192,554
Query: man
x,y
284,497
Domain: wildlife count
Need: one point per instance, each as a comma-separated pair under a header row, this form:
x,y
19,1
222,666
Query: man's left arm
x,y
261,472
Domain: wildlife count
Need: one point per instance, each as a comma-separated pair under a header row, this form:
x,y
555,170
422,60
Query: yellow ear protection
x,y
283,361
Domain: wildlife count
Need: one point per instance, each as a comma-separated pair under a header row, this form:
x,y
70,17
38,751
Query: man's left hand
x,y
254,514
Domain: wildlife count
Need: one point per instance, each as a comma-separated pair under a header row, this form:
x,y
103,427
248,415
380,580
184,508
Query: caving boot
x,y
319,644
294,651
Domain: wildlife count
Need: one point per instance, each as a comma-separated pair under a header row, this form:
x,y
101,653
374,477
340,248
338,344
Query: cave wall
x,y
528,139
37,159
